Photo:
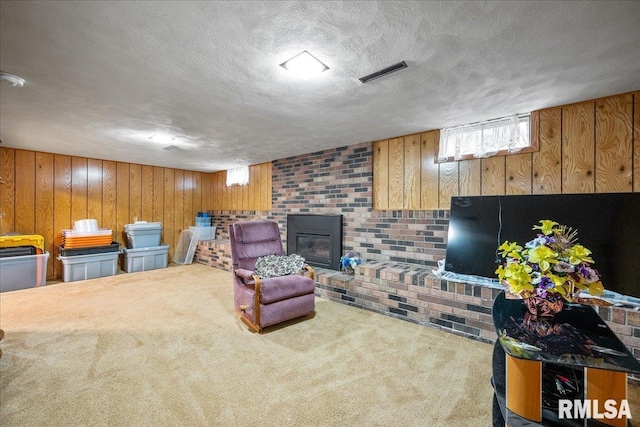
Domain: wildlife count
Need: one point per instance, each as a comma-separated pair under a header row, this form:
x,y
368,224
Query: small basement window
x,y
238,176
485,139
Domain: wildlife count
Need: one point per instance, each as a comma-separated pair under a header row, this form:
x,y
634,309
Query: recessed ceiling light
x,y
13,80
304,65
162,138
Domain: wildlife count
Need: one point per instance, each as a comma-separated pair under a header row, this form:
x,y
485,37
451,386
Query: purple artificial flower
x,y
563,267
546,283
590,275
541,292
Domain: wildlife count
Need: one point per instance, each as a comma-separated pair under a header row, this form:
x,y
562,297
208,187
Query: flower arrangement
x,y
551,266
349,261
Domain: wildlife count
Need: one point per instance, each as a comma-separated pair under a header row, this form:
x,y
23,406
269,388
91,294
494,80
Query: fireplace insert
x,y
317,238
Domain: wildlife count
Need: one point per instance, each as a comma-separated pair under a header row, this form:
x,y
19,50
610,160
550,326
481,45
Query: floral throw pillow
x,y
278,265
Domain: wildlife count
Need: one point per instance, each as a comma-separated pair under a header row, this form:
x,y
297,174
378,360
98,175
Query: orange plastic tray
x,y
70,242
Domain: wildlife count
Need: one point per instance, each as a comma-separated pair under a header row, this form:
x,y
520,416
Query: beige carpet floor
x,y
164,348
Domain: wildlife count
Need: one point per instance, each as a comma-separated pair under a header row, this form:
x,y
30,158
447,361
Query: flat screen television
x,y
608,224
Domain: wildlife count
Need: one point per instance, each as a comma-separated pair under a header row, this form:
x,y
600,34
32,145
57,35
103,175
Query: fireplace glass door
x,y
314,247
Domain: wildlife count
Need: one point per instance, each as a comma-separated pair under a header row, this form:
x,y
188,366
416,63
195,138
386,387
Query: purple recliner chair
x,y
263,302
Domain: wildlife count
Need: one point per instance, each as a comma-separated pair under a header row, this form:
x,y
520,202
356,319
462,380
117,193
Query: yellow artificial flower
x,y
518,277
578,254
558,282
543,256
566,288
510,250
596,288
546,226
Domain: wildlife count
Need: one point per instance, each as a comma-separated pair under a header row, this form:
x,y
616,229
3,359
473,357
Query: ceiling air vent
x,y
381,73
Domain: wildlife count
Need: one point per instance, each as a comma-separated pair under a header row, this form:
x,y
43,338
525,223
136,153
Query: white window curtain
x,y
484,139
238,176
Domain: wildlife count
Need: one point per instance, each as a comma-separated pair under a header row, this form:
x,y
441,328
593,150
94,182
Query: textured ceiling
x,y
106,79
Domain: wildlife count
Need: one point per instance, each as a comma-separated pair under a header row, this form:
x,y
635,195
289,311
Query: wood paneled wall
x,y
587,147
256,196
44,193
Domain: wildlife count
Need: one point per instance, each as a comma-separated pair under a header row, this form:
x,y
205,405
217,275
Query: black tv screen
x,y
608,224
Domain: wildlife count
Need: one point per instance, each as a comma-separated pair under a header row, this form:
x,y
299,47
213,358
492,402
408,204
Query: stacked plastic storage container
x,y
203,229
144,251
23,262
88,252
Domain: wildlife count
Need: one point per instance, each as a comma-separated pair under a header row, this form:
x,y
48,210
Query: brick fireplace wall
x,y
339,181
401,248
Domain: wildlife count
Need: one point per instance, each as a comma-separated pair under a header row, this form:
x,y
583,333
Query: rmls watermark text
x,y
584,409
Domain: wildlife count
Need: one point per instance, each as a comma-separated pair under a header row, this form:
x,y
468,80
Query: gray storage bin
x,y
143,234
23,272
82,267
144,259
